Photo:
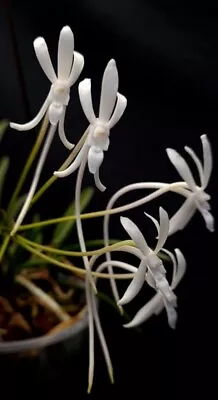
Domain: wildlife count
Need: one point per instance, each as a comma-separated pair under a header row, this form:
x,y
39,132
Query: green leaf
x,y
62,230
3,127
4,165
35,234
17,206
39,237
12,249
30,264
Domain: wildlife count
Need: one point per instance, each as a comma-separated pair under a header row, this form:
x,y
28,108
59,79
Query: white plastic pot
x,y
46,359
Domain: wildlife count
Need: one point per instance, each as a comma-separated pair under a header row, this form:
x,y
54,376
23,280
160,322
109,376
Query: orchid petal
x,y
109,90
44,59
208,159
181,268
208,217
65,53
159,309
119,110
78,64
61,131
75,164
98,182
197,162
150,279
151,307
31,124
181,218
182,168
135,285
95,159
174,262
135,234
86,100
171,313
164,229
155,222
163,285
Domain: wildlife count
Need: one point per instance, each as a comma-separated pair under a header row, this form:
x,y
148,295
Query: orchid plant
x,y
90,150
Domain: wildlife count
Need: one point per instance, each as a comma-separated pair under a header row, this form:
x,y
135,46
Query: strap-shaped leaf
x,y
36,234
3,127
17,206
4,165
62,230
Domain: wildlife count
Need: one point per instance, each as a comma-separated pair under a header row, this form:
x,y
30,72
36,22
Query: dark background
x,y
167,57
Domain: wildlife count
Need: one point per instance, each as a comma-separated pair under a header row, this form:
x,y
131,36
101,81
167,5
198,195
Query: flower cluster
x,y
70,65
90,151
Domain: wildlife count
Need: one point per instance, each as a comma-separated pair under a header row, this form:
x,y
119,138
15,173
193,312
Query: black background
x,y
167,57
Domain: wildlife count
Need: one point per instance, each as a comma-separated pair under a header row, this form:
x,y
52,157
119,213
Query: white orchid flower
x,y
70,65
99,130
197,198
151,267
158,302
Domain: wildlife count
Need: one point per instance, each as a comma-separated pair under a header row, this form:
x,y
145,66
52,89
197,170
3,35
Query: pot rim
x,y
46,340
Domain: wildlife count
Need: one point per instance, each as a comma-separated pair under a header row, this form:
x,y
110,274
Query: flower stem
x,y
177,187
90,295
29,162
102,338
4,246
67,162
36,178
69,267
79,223
98,252
91,336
